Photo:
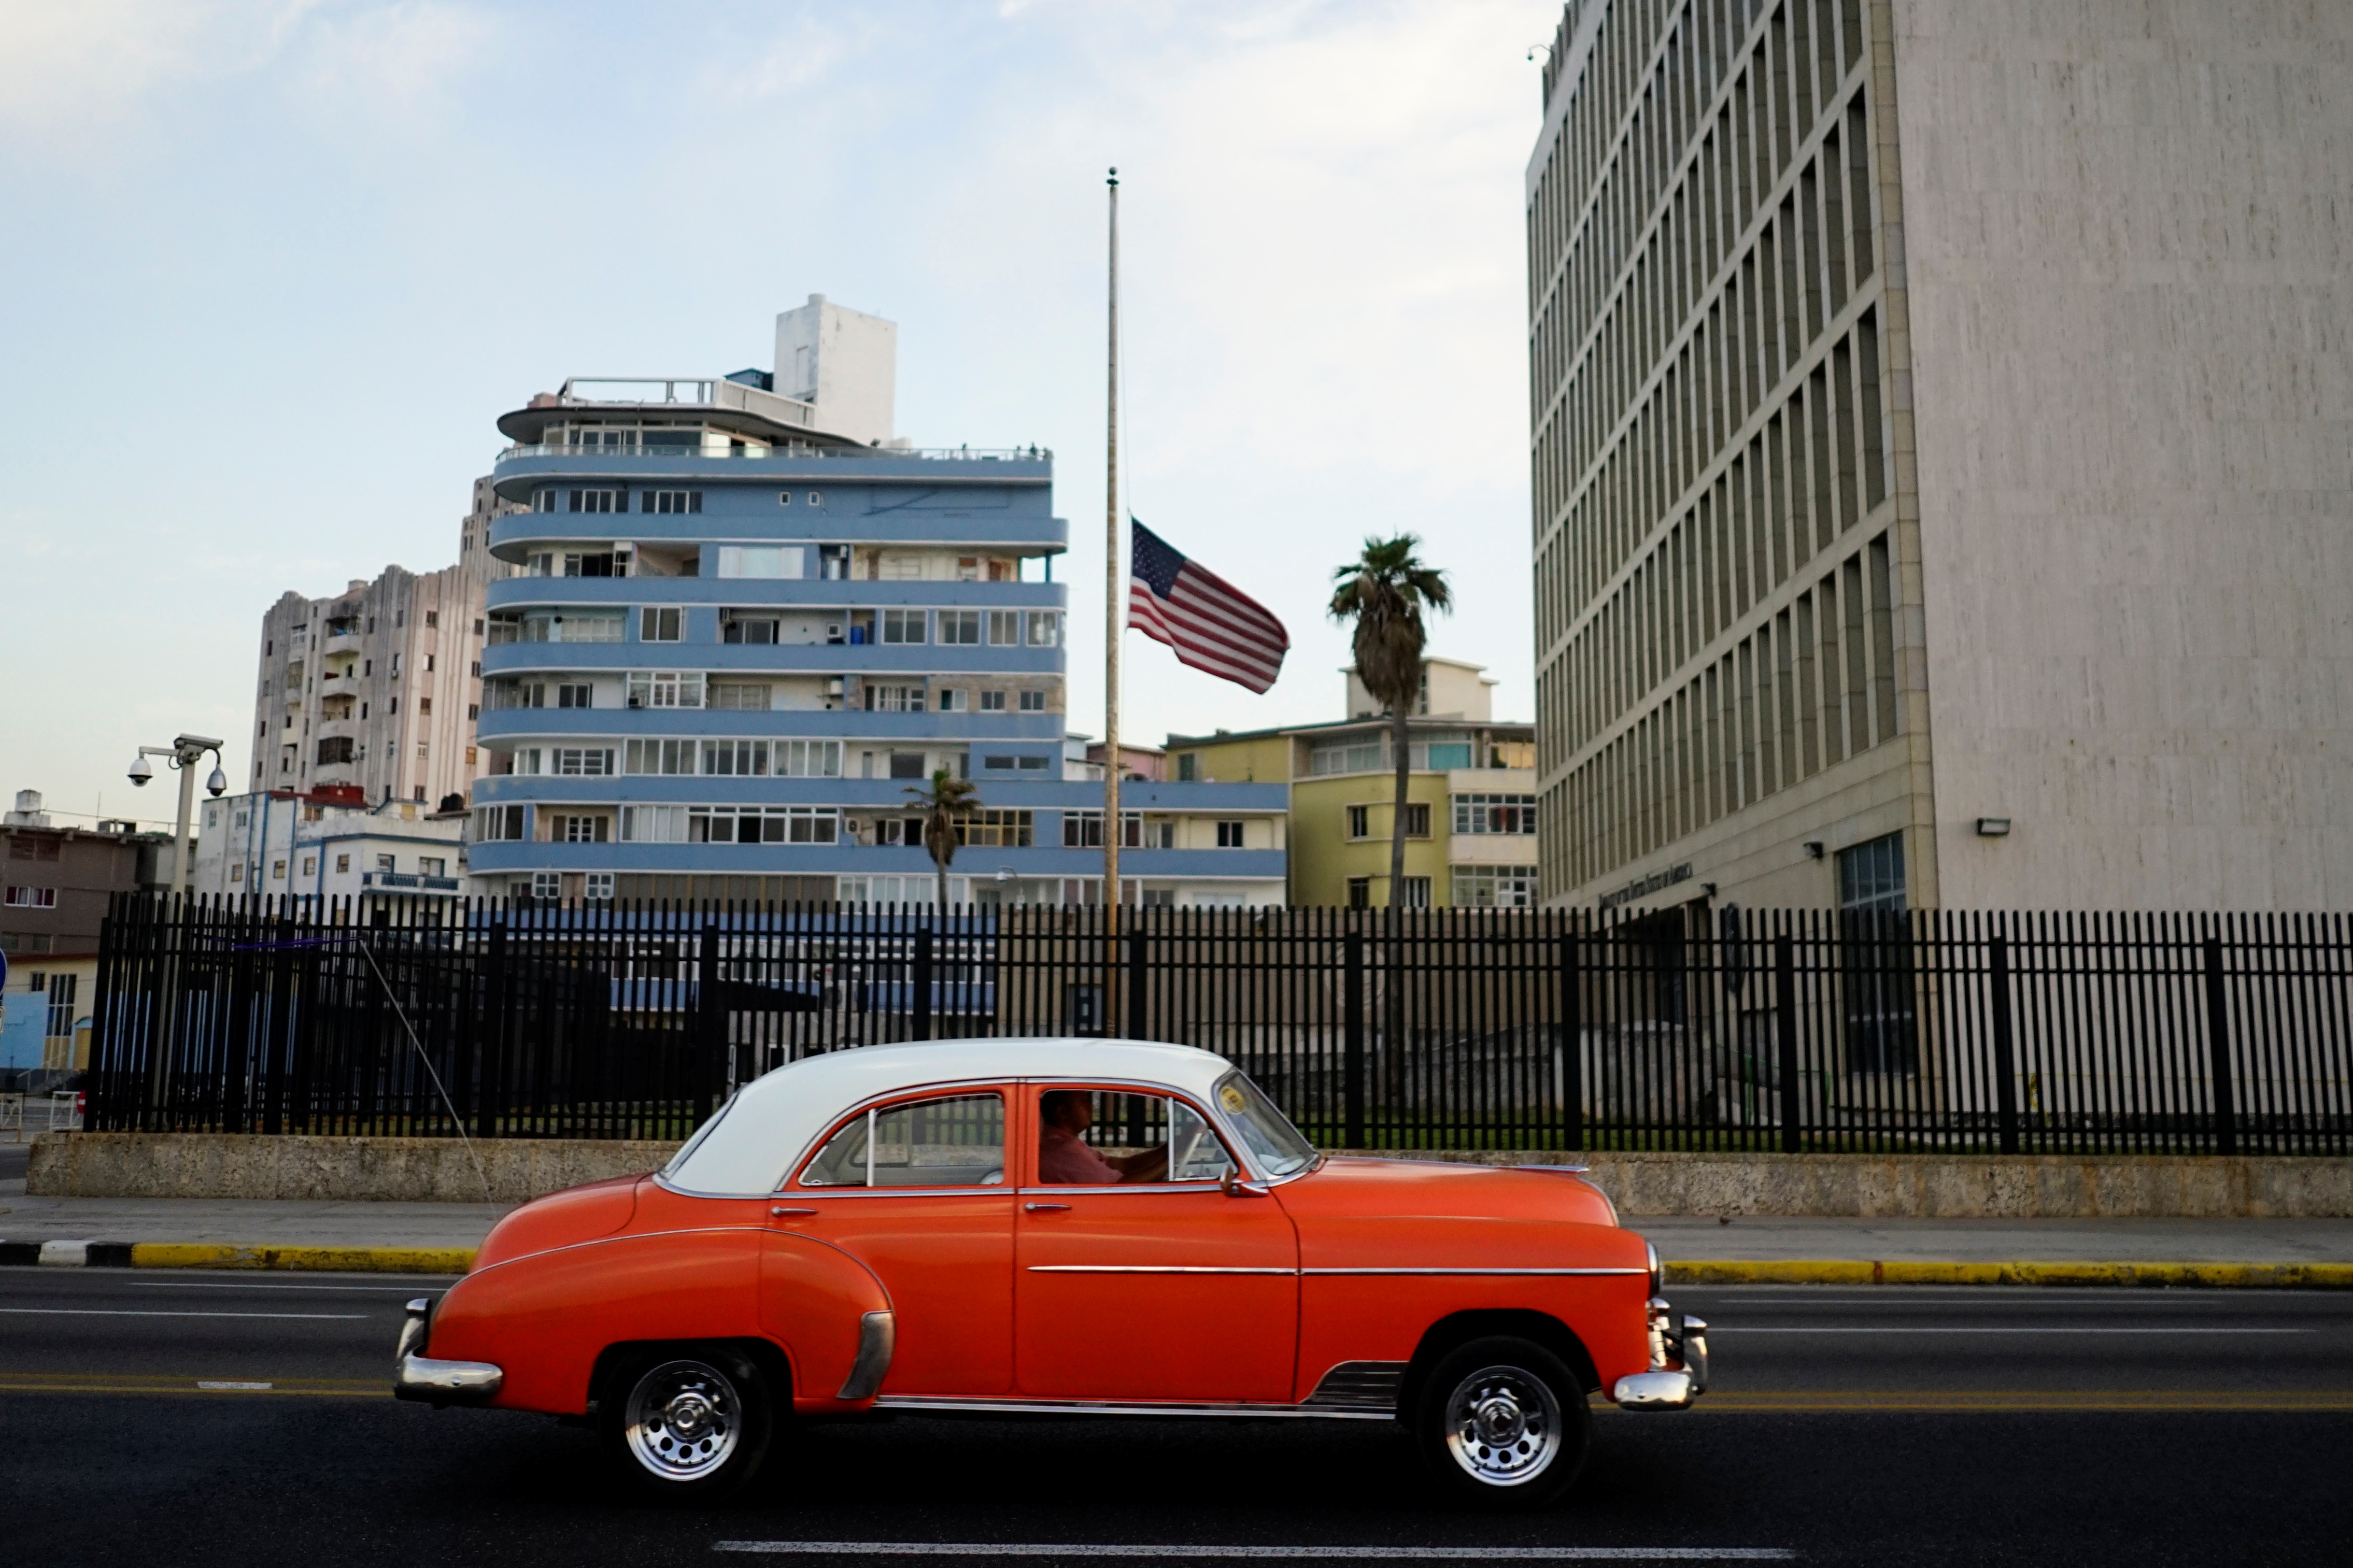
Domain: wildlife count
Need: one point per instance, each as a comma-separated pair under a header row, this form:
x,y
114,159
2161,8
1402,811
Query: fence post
x,y
1785,1028
2005,1063
711,1024
490,1064
920,976
1572,1049
1352,1004
2218,1046
1135,1024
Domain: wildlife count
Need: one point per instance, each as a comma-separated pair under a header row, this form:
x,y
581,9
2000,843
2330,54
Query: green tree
x,y
947,804
1384,591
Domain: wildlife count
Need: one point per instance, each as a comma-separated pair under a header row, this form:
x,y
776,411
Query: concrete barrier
x,y
1870,1186
374,1170
1960,1186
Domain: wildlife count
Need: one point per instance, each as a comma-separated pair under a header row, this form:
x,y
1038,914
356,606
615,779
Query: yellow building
x,y
1470,812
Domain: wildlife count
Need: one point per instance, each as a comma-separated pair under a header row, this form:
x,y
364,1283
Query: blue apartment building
x,y
749,617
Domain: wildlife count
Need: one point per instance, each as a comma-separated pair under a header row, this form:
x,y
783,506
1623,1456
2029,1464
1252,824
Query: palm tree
x,y
946,804
1384,591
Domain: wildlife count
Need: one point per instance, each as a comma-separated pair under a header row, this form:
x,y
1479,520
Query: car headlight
x,y
1658,1269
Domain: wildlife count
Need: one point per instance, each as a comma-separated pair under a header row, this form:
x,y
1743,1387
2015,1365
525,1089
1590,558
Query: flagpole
x,y
1111,615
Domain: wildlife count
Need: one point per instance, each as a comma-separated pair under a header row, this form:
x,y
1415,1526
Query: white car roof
x,y
747,1148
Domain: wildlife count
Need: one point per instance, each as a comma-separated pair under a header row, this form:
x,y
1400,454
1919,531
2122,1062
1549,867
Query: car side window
x,y
956,1140
1107,1138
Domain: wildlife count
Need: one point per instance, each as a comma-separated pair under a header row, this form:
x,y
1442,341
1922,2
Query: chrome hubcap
x,y
684,1420
1503,1426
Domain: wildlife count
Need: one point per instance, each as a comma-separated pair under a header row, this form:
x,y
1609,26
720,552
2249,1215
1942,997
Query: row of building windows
x,y
1474,888
1615,477
1785,498
1007,829
1656,74
1477,814
608,498
664,688
667,623
1811,686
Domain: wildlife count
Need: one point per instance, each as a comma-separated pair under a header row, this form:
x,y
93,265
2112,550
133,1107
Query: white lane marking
x,y
238,1387
1342,1554
117,1312
1874,1329
216,1285
1907,1296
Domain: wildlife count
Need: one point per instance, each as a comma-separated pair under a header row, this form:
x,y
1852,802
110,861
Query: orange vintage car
x,y
1055,1227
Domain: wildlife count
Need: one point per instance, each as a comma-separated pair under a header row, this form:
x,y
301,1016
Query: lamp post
x,y
183,753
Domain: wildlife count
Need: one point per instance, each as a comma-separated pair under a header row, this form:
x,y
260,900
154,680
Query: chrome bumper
x,y
437,1382
1667,1386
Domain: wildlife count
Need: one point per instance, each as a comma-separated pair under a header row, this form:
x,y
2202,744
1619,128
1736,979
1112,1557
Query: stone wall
x,y
1880,1186
377,1169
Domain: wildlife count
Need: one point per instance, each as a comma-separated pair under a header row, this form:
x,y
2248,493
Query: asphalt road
x,y
1911,1426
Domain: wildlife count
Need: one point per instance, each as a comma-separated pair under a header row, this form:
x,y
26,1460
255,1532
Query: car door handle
x,y
782,1213
1047,1208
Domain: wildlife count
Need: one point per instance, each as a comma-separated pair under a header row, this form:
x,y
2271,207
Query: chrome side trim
x,y
445,1381
1146,1269
878,1337
1204,1185
1547,1271
1121,1408
1370,1385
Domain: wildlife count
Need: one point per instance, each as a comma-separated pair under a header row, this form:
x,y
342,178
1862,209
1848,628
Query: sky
x,y
272,270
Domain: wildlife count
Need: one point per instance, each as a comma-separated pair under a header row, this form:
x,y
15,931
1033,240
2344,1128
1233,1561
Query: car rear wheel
x,y
689,1426
1503,1423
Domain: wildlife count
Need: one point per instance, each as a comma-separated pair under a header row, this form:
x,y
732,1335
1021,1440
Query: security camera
x,y
141,771
218,784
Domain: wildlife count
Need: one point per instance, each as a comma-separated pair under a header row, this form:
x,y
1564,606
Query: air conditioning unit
x,y
833,687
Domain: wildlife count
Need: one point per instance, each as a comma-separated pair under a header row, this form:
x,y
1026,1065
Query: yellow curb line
x,y
1823,1271
324,1259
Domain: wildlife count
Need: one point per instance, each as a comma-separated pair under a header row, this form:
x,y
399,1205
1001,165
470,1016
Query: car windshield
x,y
1275,1146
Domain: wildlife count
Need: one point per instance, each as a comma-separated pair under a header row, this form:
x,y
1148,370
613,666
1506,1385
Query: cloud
x,y
89,71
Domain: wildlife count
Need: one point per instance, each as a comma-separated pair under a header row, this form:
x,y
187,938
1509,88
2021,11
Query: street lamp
x,y
183,753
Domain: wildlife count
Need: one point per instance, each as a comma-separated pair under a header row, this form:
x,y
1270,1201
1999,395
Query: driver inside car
x,y
1063,1117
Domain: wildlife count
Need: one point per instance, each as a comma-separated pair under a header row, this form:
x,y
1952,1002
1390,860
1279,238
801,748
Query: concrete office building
x,y
1942,444
749,620
374,690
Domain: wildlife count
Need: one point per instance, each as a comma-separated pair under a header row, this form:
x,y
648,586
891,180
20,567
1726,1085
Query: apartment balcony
x,y
726,659
848,518
1043,796
977,861
521,467
506,728
408,882
781,593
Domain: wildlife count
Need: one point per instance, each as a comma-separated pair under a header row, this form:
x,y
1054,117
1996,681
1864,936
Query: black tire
x,y
1503,1423
688,1425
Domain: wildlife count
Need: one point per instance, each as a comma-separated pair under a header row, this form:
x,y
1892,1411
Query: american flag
x,y
1212,625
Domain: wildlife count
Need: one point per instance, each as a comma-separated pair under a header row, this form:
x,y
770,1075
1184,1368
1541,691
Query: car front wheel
x,y
690,1427
1503,1423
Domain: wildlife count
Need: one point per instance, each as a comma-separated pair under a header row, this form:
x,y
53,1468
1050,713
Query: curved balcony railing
x,y
796,451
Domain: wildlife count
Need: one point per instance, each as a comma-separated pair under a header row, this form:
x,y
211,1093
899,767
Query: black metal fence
x,y
1458,1028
